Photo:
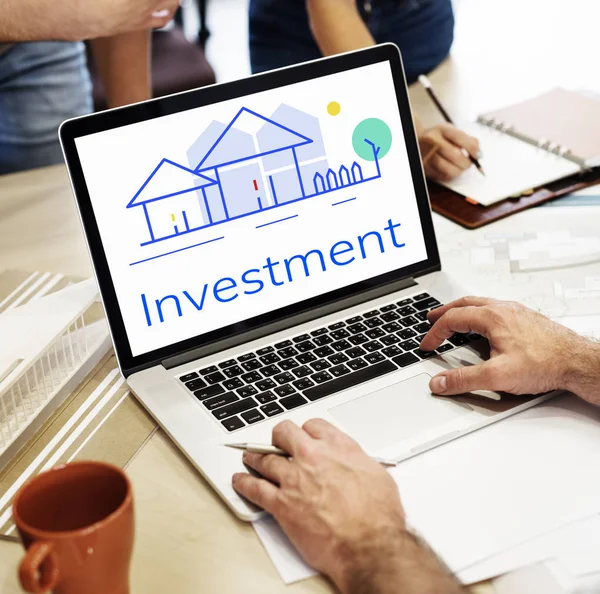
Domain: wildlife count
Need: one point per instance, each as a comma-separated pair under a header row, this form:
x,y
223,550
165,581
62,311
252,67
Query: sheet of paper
x,y
511,167
495,488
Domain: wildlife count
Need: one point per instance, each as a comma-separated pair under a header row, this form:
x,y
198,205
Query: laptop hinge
x,y
289,322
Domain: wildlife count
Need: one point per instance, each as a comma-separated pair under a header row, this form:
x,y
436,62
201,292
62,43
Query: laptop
x,y
265,251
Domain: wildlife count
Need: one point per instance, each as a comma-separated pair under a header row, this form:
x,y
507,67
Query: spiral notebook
x,y
531,144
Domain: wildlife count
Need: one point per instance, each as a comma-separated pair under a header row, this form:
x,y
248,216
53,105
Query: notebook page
x,y
511,167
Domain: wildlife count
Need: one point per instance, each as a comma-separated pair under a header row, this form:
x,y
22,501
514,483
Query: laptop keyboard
x,y
275,379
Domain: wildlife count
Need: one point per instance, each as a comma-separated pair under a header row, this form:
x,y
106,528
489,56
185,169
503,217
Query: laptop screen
x,y
218,214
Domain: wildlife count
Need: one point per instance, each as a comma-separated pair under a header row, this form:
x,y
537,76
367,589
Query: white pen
x,y
259,448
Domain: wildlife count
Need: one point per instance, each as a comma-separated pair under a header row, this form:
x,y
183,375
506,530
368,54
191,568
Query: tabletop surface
x,y
505,50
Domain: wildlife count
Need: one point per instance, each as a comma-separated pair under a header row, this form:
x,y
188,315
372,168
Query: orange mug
x,y
76,523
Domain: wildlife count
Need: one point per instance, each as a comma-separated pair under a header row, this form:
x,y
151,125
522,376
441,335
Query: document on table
x,y
494,489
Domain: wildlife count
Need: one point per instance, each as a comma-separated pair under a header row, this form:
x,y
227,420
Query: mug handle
x,y
38,571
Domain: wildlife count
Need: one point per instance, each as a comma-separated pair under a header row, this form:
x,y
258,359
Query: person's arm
x,y
529,354
123,63
342,511
75,20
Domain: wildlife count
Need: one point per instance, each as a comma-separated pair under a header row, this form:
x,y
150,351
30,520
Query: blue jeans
x,y
423,30
41,85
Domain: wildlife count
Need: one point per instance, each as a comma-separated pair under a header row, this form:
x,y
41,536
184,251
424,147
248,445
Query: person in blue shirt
x,y
286,32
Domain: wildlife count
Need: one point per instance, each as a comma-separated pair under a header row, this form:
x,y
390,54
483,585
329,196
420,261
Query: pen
x,y
257,448
427,86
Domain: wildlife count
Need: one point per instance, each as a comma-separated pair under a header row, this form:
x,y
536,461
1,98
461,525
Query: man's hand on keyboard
x,y
529,354
342,511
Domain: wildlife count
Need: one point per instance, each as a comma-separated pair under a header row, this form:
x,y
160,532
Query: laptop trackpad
x,y
382,418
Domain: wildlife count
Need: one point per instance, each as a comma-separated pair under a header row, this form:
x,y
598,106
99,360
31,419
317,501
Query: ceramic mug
x,y
76,523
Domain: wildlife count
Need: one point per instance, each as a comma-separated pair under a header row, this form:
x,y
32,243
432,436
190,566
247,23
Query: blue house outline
x,y
202,172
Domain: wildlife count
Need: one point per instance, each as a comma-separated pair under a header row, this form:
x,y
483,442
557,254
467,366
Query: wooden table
x,y
187,541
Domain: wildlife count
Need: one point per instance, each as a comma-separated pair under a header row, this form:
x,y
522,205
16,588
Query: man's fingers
x,y
321,429
463,319
289,437
436,314
442,168
460,138
454,155
259,491
466,379
272,467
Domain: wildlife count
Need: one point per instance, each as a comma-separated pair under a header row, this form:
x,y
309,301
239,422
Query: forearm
x,y
36,20
404,564
123,63
582,376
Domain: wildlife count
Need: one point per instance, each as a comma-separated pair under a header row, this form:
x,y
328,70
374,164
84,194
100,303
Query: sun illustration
x,y
333,108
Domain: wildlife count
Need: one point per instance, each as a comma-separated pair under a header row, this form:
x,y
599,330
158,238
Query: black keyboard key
x,y
341,345
209,391
408,321
288,364
391,327
421,296
265,384
338,358
422,327
356,328
375,333
421,315
252,416
247,391
284,344
339,370
322,376
373,358
324,351
390,316
339,334
302,371
426,304
220,400
188,377
355,352
288,352
349,380
305,346
306,358
252,377
405,359
445,347
407,310
404,302
319,332
336,326
232,423
265,350
320,365
458,340
391,351
356,364
420,338
406,334
215,378
302,338
389,340
358,339
233,371
284,390
371,314
354,319
270,358
251,365
304,383
246,357
389,307
195,384
270,370
284,378
425,354
208,370
323,340
233,383
294,401
374,322
265,397
409,345
271,409
227,363
372,346
235,408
